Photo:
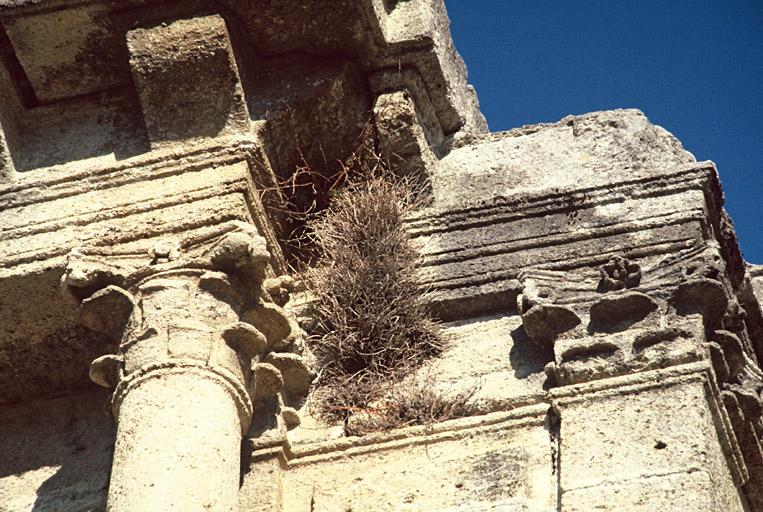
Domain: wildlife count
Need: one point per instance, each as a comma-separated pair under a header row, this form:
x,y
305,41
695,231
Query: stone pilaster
x,y
672,333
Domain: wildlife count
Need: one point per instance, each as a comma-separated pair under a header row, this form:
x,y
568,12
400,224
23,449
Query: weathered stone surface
x,y
707,296
404,138
81,76
474,254
183,423
56,453
599,315
618,274
296,375
544,322
492,356
502,462
270,320
107,311
619,450
245,338
7,169
578,151
68,52
104,370
267,380
617,312
756,272
187,80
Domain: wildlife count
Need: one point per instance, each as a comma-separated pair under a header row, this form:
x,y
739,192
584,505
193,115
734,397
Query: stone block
x,y
653,440
187,80
475,251
263,491
580,151
402,137
314,111
496,462
680,492
490,355
69,52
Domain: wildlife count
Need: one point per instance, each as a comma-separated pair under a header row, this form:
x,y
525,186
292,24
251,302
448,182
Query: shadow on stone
x,y
526,357
63,447
615,313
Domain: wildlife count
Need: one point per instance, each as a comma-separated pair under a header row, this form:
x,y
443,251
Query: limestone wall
x,y
56,453
594,301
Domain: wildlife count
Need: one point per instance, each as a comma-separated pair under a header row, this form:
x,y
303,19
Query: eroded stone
x,y
613,313
544,323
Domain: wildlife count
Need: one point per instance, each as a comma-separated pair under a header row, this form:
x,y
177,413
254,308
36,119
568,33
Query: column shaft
x,y
178,445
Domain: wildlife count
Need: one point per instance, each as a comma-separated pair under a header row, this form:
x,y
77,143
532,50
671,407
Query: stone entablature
x,y
590,281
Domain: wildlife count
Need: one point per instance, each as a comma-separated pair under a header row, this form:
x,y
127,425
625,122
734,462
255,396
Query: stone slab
x,y
662,439
497,462
580,151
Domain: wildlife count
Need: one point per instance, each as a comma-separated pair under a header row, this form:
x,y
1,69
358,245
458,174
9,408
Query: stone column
x,y
183,375
181,403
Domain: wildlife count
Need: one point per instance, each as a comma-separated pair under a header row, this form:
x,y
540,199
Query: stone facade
x,y
152,352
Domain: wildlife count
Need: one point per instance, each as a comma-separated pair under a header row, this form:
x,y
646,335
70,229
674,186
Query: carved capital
x,y
625,317
191,308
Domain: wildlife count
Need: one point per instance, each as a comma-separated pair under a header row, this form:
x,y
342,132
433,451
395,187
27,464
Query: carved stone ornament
x,y
200,343
542,318
619,274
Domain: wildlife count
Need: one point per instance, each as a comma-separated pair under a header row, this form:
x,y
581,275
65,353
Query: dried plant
x,y
372,319
308,191
414,403
373,326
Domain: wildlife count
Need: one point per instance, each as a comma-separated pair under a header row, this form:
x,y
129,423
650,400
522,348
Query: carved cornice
x,y
469,253
190,185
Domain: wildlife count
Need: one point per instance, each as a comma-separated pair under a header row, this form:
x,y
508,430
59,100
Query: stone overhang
x,y
72,61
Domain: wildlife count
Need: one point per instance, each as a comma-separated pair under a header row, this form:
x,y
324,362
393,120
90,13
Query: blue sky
x,y
694,67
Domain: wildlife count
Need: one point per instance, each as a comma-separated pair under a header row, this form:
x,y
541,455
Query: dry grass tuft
x,y
372,327
417,403
372,320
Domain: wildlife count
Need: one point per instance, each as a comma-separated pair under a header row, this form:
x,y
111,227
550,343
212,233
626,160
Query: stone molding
x,y
229,171
473,255
556,403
